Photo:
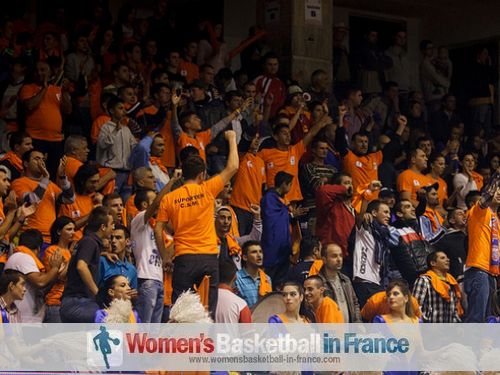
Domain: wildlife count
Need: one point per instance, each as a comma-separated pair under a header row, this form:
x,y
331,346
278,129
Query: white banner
x,y
250,347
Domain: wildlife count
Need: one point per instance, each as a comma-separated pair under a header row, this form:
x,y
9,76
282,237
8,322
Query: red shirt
x,y
334,220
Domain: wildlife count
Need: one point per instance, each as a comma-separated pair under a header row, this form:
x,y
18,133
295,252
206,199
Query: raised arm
x,y
233,159
174,123
490,190
150,211
360,217
322,122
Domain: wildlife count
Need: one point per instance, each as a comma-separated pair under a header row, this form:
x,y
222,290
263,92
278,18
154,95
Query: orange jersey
x,y
479,230
443,189
191,210
412,182
130,207
478,179
248,182
45,121
81,207
200,141
54,295
286,161
45,213
72,167
363,169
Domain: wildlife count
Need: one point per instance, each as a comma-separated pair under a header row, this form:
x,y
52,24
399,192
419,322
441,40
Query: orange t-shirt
x,y
412,182
363,169
81,207
191,210
328,312
45,214
2,213
130,207
200,141
286,161
72,167
97,125
54,295
189,70
247,188
443,189
479,230
45,121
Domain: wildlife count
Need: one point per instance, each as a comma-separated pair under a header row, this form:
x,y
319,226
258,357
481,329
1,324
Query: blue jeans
x,y
478,286
78,310
52,314
150,300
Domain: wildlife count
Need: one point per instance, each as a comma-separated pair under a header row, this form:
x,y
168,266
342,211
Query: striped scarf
x,y
495,255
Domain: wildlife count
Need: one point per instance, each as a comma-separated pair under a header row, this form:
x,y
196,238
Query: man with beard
x,y
411,252
334,211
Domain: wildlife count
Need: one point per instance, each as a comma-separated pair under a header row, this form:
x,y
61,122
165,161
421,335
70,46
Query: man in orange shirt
x,y
249,183
44,104
36,189
360,164
438,165
285,158
190,211
19,143
86,198
412,180
187,67
77,151
187,129
325,309
483,258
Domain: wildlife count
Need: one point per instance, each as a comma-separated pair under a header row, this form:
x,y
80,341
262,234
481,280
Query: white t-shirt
x,y
229,307
365,267
147,257
32,307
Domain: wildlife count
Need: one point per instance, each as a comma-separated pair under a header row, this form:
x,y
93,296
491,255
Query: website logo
x,y
104,348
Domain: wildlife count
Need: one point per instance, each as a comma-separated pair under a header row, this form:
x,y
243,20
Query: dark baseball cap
x,y
433,186
386,192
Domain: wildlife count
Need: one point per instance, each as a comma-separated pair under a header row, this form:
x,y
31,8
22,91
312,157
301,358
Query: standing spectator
x,y
190,210
62,233
431,221
400,71
115,144
230,307
441,122
45,103
412,179
251,280
341,62
335,214
268,84
36,189
26,260
12,289
338,286
142,179
454,242
481,90
121,77
78,300
483,256
188,67
114,202
438,164
9,91
320,89
19,144
437,291
249,183
434,85
325,309
372,62
213,50
467,180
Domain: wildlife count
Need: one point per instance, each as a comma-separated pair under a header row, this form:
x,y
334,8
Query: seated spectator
x,y
230,307
431,221
12,289
251,280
